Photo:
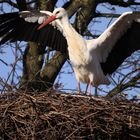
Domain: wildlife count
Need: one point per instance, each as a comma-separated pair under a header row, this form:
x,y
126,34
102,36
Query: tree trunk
x,y
33,62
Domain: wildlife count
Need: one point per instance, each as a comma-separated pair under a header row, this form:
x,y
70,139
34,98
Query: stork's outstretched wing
x,y
23,26
119,41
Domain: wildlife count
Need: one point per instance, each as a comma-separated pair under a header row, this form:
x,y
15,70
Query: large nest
x,y
55,116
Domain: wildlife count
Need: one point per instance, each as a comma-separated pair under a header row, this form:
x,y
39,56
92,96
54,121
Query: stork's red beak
x,y
47,21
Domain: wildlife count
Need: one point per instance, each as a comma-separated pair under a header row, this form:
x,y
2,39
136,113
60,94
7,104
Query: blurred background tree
x,y
36,68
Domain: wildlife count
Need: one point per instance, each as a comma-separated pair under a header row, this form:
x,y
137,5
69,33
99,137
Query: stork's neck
x,y
65,21
69,31
76,44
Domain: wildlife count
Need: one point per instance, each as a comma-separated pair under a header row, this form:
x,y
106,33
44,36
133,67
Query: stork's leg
x,y
79,89
86,89
89,89
96,91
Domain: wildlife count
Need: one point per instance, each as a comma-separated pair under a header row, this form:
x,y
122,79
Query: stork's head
x,y
58,13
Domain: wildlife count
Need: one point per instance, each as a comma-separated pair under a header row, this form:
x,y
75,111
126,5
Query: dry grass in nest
x,y
57,116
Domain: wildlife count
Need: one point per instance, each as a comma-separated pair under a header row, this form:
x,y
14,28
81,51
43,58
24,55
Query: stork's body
x,y
92,60
83,56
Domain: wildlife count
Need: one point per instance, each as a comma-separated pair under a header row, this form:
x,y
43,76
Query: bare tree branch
x,y
107,15
120,87
9,2
120,2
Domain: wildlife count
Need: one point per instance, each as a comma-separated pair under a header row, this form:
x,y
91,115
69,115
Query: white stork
x,y
92,60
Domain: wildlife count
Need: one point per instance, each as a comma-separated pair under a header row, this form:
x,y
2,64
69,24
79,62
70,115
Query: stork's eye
x,y
57,12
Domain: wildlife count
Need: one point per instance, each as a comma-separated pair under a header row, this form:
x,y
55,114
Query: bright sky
x,y
68,80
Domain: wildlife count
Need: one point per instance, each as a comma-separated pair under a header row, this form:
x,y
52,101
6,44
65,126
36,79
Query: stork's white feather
x,y
110,36
86,56
59,26
32,19
46,12
41,20
138,20
23,12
